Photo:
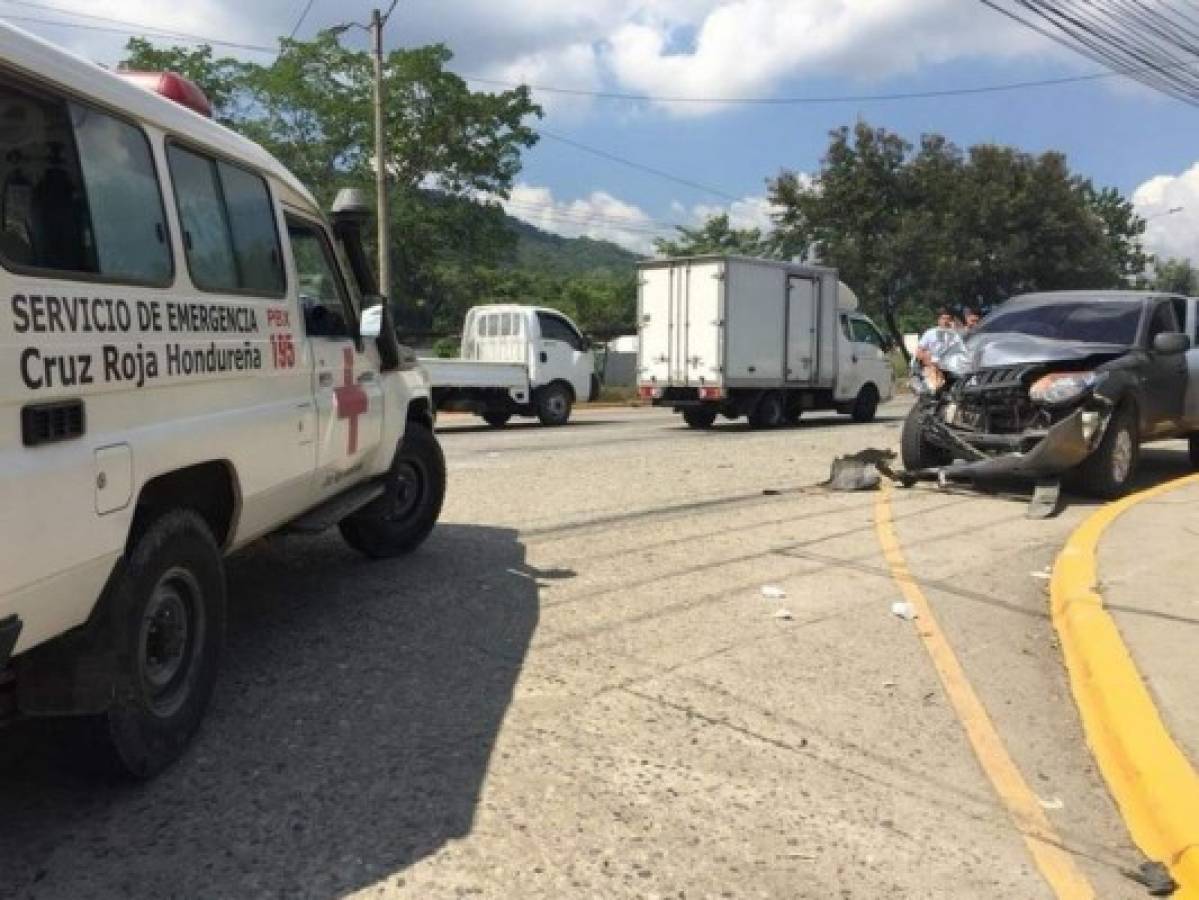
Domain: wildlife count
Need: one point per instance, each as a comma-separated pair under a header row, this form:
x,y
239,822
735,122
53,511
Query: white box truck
x,y
516,360
734,336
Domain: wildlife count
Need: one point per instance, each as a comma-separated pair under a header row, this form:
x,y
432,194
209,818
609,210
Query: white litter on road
x,y
1054,803
783,614
1044,575
773,592
904,610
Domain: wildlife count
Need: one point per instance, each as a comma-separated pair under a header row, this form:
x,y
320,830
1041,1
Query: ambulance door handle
x,y
325,379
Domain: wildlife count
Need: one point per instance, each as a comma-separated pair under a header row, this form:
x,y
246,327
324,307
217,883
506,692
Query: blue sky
x,y
1118,133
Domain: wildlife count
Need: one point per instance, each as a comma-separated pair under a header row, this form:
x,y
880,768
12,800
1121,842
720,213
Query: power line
x,y
612,157
796,101
1158,44
300,21
133,28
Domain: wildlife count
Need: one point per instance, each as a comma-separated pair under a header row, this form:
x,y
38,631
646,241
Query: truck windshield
x,y
1089,321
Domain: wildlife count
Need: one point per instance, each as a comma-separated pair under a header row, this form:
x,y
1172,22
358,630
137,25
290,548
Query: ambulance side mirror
x,y
371,323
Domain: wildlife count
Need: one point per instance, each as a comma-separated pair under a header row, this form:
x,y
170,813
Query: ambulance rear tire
x,y
400,520
168,624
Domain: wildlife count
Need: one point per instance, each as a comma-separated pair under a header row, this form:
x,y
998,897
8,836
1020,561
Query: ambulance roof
x,y
42,61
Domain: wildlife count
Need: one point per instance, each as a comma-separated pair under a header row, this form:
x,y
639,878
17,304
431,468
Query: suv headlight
x,y
1057,388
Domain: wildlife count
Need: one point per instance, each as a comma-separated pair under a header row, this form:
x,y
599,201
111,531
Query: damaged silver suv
x,y
1060,384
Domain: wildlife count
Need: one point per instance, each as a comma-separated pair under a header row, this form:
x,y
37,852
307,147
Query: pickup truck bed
x,y
471,373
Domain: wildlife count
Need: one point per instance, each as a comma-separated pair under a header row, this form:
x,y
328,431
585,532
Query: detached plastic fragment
x,y
860,471
904,610
773,592
783,614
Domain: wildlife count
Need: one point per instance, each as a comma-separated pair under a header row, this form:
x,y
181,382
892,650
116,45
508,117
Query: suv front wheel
x,y
1108,472
402,518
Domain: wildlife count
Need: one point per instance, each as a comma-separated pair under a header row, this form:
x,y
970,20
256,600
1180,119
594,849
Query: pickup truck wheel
x,y
768,411
497,419
402,518
553,405
915,451
865,406
168,623
1108,472
1194,448
699,416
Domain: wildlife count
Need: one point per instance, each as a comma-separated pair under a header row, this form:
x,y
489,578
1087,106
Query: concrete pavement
x,y
577,688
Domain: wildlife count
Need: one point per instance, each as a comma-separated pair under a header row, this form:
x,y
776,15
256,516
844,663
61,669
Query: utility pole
x,y
375,29
378,20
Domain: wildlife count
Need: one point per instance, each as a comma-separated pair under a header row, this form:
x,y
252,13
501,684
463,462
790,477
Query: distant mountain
x,y
557,255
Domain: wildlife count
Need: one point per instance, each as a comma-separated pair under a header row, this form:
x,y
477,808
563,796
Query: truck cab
x,y
192,357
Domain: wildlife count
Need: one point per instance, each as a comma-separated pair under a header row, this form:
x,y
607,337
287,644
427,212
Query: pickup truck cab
x,y
191,358
516,360
1064,383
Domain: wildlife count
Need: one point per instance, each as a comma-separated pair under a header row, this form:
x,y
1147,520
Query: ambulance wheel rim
x,y
170,636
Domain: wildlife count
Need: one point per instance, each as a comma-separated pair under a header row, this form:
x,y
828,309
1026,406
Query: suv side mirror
x,y
370,324
1171,342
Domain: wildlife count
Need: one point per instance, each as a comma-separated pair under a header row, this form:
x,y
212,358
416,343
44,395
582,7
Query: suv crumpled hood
x,y
987,351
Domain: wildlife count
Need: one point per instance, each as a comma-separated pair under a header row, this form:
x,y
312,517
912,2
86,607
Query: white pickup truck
x,y
516,360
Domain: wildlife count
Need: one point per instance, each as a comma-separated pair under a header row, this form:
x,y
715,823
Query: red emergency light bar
x,y
173,87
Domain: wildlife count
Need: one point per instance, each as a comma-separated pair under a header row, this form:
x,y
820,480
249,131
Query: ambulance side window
x,y
78,192
322,295
228,225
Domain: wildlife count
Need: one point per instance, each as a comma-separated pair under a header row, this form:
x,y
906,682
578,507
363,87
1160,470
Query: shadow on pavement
x,y
357,711
452,427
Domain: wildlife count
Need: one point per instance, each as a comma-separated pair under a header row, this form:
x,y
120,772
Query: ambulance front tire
x,y
167,618
401,519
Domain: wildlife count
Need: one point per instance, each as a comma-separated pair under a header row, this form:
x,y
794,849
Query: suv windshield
x,y
1090,321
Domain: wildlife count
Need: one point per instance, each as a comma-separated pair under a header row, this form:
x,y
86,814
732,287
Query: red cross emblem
x,y
351,399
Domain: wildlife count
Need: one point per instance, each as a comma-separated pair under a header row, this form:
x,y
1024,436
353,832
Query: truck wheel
x,y
866,404
496,418
793,410
914,450
1194,449
699,416
168,624
1108,472
768,411
553,404
402,518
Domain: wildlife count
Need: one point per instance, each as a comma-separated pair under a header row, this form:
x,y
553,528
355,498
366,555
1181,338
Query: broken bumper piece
x,y
1064,446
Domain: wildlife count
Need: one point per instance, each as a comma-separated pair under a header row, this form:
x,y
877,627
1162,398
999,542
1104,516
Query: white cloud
x,y
748,212
1170,206
599,216
717,48
745,47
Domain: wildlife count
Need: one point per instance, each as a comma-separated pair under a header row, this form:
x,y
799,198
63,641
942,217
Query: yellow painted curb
x,y
1150,777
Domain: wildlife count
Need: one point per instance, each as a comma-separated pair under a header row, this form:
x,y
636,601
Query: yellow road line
x,y
1153,782
1056,865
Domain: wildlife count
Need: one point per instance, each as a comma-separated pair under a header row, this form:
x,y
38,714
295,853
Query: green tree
x,y
915,228
1175,276
716,235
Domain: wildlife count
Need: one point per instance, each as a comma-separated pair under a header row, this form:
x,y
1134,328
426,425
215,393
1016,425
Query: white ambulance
x,y
191,357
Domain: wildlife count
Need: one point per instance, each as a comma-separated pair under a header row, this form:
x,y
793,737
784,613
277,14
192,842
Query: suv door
x,y
345,378
1165,378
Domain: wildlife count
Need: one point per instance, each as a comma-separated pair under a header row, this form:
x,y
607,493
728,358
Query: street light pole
x,y
381,205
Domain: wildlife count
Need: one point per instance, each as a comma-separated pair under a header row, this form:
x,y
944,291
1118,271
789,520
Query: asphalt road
x,y
577,688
